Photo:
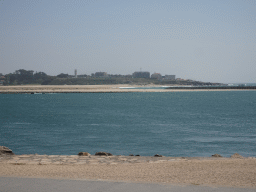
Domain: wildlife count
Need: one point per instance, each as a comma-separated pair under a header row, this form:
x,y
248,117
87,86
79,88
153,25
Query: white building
x,y
156,76
169,77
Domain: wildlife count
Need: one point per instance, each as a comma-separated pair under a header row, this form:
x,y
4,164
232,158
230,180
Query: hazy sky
x,y
206,40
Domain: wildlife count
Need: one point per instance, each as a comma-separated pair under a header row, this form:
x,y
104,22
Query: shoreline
x,y
209,171
117,88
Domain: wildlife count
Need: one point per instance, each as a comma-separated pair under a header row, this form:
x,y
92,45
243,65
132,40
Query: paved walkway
x,y
16,184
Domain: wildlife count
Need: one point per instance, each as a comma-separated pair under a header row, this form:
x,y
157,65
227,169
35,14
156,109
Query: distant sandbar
x,y
118,88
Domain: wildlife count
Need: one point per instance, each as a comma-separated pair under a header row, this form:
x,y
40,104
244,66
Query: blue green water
x,y
171,124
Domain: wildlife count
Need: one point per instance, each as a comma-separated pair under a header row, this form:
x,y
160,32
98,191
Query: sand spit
x,y
91,89
213,171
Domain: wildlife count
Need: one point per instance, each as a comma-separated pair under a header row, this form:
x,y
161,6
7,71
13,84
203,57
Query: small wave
x,y
21,123
127,87
81,125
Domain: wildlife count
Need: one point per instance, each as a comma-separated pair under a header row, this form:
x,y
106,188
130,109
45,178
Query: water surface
x,y
171,124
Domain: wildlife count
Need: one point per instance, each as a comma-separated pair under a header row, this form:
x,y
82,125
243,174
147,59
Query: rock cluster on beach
x,y
237,156
7,156
80,160
103,154
5,150
83,154
216,155
84,158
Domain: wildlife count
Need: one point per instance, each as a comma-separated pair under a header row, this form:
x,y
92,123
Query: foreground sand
x,y
196,171
90,89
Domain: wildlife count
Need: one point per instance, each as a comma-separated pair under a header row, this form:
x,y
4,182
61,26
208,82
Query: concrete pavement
x,y
15,184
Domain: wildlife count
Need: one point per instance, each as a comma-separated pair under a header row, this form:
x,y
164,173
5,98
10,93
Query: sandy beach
x,y
118,88
212,171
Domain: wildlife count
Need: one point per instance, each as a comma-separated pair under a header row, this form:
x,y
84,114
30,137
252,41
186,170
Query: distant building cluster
x,y
141,74
22,77
101,74
136,74
160,77
2,79
14,78
145,74
169,77
156,76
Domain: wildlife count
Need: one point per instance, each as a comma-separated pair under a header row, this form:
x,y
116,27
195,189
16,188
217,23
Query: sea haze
x,y
170,124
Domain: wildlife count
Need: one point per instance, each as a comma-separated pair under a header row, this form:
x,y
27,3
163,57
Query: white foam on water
x,y
127,87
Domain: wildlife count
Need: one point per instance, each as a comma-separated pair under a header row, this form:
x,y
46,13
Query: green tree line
x,y
23,76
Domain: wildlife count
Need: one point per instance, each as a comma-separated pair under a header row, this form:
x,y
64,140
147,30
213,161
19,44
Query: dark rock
x,y
237,156
103,154
131,155
156,155
5,150
216,155
137,155
83,154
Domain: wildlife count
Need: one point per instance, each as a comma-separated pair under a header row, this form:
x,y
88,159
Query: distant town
x,y
24,77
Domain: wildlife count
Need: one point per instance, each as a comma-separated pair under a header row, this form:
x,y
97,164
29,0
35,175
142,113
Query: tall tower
x,y
75,73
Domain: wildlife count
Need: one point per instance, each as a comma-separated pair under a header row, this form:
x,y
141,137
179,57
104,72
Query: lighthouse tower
x,y
75,73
